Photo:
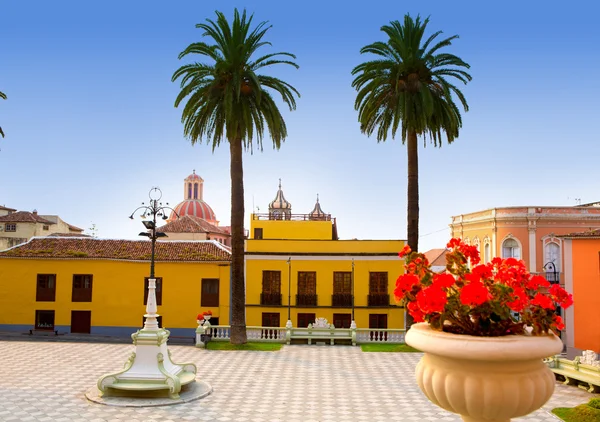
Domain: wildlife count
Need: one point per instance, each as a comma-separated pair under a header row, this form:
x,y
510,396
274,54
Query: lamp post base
x,y
149,368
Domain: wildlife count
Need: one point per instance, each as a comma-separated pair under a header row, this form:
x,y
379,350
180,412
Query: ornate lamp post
x,y
149,368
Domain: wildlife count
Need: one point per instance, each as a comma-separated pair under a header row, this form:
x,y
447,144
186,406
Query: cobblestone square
x,y
46,381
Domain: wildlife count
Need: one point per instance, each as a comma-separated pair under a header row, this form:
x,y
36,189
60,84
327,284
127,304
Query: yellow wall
x,y
117,293
323,257
286,229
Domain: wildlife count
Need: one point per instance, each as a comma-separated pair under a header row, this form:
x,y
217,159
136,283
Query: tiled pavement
x,y
42,381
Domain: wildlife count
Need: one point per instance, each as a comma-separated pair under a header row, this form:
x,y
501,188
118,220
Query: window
x,y
271,288
510,249
189,191
342,282
270,319
158,290
210,292
15,241
378,321
486,253
10,227
305,319
46,288
307,282
82,288
307,288
378,283
195,190
342,289
378,289
45,227
44,320
552,256
271,282
258,233
342,320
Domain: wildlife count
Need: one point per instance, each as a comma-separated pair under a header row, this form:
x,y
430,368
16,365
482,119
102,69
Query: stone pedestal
x,y
149,371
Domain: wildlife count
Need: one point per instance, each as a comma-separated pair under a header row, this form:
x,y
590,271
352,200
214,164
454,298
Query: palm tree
x,y
3,96
228,100
409,83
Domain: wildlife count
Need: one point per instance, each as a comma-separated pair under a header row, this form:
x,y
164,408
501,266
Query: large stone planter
x,y
484,379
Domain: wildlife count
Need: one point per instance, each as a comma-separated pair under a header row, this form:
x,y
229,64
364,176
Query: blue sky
x,y
90,123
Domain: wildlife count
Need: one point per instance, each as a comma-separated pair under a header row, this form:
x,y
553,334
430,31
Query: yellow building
x,y
298,270
99,286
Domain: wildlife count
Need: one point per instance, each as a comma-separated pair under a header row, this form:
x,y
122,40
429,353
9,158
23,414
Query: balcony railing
x,y
341,300
378,300
270,299
291,217
306,300
45,295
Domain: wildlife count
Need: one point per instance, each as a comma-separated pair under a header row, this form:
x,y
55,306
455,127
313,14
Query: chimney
x,y
34,212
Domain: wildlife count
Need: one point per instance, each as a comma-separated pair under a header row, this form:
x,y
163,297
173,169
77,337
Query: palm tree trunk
x,y
238,289
412,227
413,192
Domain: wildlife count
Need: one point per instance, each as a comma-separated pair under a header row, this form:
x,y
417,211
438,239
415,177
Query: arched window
x,y
511,249
189,191
486,253
195,190
552,254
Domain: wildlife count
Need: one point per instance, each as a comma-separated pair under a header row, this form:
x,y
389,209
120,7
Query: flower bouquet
x,y
498,298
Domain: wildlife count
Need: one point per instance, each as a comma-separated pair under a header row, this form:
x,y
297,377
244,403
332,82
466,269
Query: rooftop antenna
x,y
578,201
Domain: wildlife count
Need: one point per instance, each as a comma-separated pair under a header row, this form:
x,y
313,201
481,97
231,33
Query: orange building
x,y
582,279
528,233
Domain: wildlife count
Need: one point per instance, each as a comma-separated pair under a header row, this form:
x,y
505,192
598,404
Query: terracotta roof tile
x,y
68,235
190,224
590,234
129,250
74,228
436,257
24,217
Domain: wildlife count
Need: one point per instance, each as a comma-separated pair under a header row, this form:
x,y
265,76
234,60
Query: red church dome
x,y
196,208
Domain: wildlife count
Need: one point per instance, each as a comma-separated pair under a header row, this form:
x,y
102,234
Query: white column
x,y
151,323
532,248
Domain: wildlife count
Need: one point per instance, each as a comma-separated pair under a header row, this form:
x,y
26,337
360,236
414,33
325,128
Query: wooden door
x,y
81,321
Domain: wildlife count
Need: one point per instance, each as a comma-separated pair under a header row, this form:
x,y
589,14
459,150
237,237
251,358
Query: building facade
x,y
582,279
298,270
528,233
18,227
99,286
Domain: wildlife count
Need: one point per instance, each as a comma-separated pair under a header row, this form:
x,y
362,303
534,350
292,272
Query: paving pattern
x,y
43,381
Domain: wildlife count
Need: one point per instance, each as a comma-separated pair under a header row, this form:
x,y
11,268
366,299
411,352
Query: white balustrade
x,y
278,334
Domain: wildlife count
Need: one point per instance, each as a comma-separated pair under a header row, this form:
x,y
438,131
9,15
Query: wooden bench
x,y
321,334
42,331
576,373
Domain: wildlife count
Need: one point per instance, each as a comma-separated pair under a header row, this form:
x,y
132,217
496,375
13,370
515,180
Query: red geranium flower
x,y
415,312
404,284
543,301
536,282
561,296
443,281
405,251
520,300
432,299
474,294
558,322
